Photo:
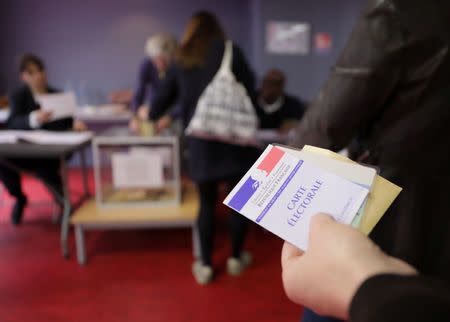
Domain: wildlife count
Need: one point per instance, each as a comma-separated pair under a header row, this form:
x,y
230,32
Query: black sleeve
x,y
19,112
363,79
393,298
166,95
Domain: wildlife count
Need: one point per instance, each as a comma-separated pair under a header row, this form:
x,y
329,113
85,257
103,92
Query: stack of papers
x,y
286,187
45,137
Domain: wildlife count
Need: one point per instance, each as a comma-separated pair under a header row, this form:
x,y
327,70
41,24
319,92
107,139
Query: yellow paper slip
x,y
381,196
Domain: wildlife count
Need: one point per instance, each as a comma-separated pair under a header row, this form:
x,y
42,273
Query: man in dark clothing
x,y
277,109
26,114
392,83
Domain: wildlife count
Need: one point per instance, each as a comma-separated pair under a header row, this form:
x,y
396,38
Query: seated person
x,y
278,110
26,114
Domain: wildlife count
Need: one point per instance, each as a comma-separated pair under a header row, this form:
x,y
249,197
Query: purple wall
x,y
305,74
99,43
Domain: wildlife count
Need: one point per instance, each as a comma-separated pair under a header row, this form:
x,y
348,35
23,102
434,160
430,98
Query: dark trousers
x,y
45,169
310,316
238,224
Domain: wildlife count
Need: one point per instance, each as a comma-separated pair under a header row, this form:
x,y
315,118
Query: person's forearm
x,y
393,298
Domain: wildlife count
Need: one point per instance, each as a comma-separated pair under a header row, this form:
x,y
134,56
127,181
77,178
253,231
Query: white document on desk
x,y
60,104
137,170
55,138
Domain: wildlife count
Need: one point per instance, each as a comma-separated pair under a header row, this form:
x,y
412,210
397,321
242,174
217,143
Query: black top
x,y
393,298
209,160
292,109
22,103
392,81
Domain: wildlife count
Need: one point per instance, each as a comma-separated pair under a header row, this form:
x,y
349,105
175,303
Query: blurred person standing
x,y
278,109
196,63
391,83
160,49
26,114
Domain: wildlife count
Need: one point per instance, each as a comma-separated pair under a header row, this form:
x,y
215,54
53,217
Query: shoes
x,y
235,266
17,211
203,274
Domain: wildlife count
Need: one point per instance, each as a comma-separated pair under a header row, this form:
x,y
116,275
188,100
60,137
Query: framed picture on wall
x,y
288,37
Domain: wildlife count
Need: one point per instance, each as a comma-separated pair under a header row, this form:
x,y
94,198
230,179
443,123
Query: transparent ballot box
x,y
136,171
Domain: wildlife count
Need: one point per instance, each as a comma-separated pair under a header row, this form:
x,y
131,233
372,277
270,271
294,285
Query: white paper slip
x,y
137,170
60,104
281,192
164,152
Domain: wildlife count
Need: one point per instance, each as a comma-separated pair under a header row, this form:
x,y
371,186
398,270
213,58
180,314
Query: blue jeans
x,y
310,316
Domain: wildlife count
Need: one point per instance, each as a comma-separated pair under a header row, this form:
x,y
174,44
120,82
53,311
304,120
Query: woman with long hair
x,y
197,60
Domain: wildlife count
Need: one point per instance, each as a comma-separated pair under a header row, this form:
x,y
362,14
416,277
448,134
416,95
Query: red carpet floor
x,y
141,275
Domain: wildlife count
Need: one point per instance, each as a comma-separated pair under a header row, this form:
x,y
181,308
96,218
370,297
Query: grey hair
x,y
161,44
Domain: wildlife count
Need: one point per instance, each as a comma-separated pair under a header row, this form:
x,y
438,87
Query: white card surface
x,y
60,104
356,173
282,191
137,170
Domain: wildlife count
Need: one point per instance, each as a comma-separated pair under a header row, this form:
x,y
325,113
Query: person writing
x,y
196,62
278,110
26,114
345,275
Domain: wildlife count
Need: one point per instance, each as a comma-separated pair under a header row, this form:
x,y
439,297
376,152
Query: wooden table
x,y
91,217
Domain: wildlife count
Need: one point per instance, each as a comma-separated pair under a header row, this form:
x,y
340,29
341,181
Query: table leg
x,y
55,216
65,223
195,242
81,250
84,170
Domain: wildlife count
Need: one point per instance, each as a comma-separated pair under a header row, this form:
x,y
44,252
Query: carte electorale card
x,y
281,192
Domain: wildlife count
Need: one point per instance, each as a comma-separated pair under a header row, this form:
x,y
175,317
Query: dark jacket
x,y
22,104
208,160
147,84
394,298
292,109
392,83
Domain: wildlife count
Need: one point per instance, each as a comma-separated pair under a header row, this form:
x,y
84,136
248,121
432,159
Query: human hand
x,y
79,126
163,123
43,116
142,112
338,260
134,125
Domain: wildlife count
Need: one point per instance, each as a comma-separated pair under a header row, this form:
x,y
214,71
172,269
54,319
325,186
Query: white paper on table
x,y
55,138
9,137
165,152
60,104
137,170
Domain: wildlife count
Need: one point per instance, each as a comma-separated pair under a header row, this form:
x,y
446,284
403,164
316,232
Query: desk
x,y
62,152
89,216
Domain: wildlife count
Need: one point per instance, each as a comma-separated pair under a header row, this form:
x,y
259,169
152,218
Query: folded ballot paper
x,y
286,187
